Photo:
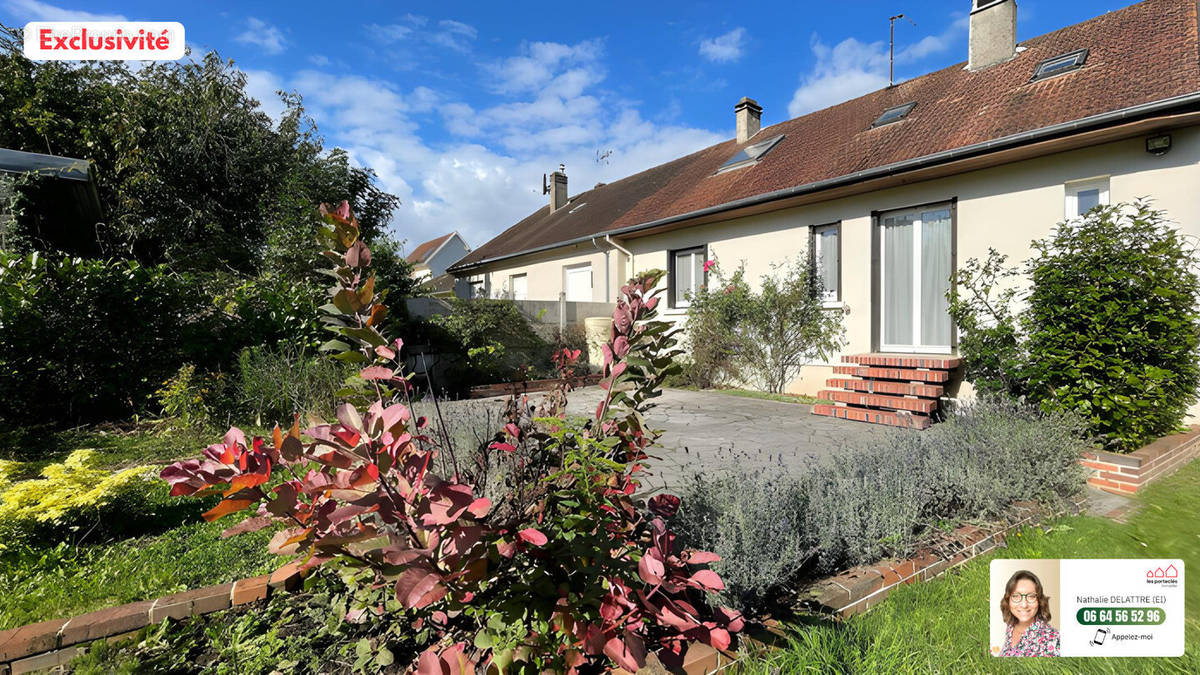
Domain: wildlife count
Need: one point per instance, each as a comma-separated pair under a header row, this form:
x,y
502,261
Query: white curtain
x,y
827,261
898,276
935,278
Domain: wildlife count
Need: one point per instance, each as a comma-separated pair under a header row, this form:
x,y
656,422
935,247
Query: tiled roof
x,y
1141,54
422,252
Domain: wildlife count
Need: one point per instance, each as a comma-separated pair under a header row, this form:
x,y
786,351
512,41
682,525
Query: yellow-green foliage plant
x,y
65,493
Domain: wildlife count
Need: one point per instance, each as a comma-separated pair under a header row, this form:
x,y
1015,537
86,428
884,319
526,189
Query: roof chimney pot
x,y
749,118
993,33
558,189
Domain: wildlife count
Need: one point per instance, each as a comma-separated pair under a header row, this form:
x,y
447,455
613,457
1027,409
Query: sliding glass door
x,y
915,275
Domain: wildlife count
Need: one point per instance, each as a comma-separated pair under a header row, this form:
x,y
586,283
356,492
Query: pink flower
x,y
709,264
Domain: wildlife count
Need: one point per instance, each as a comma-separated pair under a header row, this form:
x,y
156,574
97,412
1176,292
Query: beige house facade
x,y
887,237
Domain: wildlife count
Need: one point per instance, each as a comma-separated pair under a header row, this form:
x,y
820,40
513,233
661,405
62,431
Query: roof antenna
x,y
545,185
892,47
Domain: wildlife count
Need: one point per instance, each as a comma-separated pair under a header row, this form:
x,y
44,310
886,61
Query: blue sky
x,y
461,107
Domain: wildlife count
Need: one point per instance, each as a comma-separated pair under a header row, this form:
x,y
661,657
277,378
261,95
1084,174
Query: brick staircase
x,y
899,390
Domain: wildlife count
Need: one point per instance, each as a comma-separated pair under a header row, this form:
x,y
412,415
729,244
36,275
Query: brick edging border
x,y
529,386
1126,474
56,642
47,644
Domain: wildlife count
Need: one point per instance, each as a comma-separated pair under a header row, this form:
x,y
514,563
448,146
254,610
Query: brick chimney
x,y
749,118
993,33
558,189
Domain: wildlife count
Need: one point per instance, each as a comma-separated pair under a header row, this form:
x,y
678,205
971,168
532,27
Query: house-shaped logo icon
x,y
1171,572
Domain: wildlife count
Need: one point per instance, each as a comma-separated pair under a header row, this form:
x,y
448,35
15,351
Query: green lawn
x,y
942,626
68,580
146,545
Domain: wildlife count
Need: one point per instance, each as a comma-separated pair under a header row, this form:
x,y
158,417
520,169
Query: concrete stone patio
x,y
712,433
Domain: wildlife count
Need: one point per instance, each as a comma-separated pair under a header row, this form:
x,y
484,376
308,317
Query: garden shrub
x,y
755,523
495,338
1109,327
90,339
762,337
68,495
275,382
562,572
879,499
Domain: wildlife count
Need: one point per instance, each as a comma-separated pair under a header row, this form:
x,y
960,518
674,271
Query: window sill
x,y
833,304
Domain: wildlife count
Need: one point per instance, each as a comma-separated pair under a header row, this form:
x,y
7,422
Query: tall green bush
x,y
762,337
496,340
1109,327
91,339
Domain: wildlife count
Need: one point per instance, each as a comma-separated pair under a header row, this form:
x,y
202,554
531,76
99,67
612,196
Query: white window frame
x,y
829,298
701,251
512,286
1073,188
918,224
567,269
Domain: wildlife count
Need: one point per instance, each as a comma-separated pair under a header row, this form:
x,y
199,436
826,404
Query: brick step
x,y
886,387
904,360
895,419
920,405
893,373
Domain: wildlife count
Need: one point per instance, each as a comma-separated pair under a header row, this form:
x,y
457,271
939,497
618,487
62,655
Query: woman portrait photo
x,y
1026,611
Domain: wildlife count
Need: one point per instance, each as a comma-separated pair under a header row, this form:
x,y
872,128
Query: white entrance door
x,y
915,276
578,283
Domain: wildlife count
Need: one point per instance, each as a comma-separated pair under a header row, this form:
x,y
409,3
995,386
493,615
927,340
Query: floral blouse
x,y
1039,639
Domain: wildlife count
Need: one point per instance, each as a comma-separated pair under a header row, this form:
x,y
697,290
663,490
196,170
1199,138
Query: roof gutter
x,y
963,152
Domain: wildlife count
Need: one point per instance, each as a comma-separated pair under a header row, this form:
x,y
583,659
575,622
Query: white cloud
x,y
391,32
724,48
454,34
264,35
319,60
851,68
32,10
263,85
488,174
451,34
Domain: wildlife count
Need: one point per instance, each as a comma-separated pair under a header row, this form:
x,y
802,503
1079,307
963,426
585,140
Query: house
x,y
61,205
893,189
430,260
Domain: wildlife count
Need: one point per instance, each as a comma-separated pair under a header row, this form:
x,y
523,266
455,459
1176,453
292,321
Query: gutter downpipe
x,y
607,272
1014,140
608,240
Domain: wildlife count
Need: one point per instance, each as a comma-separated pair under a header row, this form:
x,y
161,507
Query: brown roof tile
x,y
1144,53
425,250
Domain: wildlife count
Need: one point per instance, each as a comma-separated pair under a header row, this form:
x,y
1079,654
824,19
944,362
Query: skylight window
x,y
750,154
894,114
1059,64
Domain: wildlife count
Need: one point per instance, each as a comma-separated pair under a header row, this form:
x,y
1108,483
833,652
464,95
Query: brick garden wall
x,y
1126,474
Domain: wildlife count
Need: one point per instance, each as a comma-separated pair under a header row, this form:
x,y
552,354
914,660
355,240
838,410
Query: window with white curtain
x,y
1084,195
687,275
827,257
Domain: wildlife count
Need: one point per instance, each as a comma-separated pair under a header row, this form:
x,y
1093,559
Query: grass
x,y
63,581
942,626
763,395
143,545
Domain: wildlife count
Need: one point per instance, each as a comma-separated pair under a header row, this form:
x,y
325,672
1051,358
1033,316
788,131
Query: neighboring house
x,y
431,259
61,205
892,190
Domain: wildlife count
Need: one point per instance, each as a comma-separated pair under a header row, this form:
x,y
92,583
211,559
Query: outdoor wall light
x,y
1158,145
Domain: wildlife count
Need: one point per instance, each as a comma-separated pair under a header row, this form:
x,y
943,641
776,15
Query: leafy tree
x,y
190,170
1109,326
